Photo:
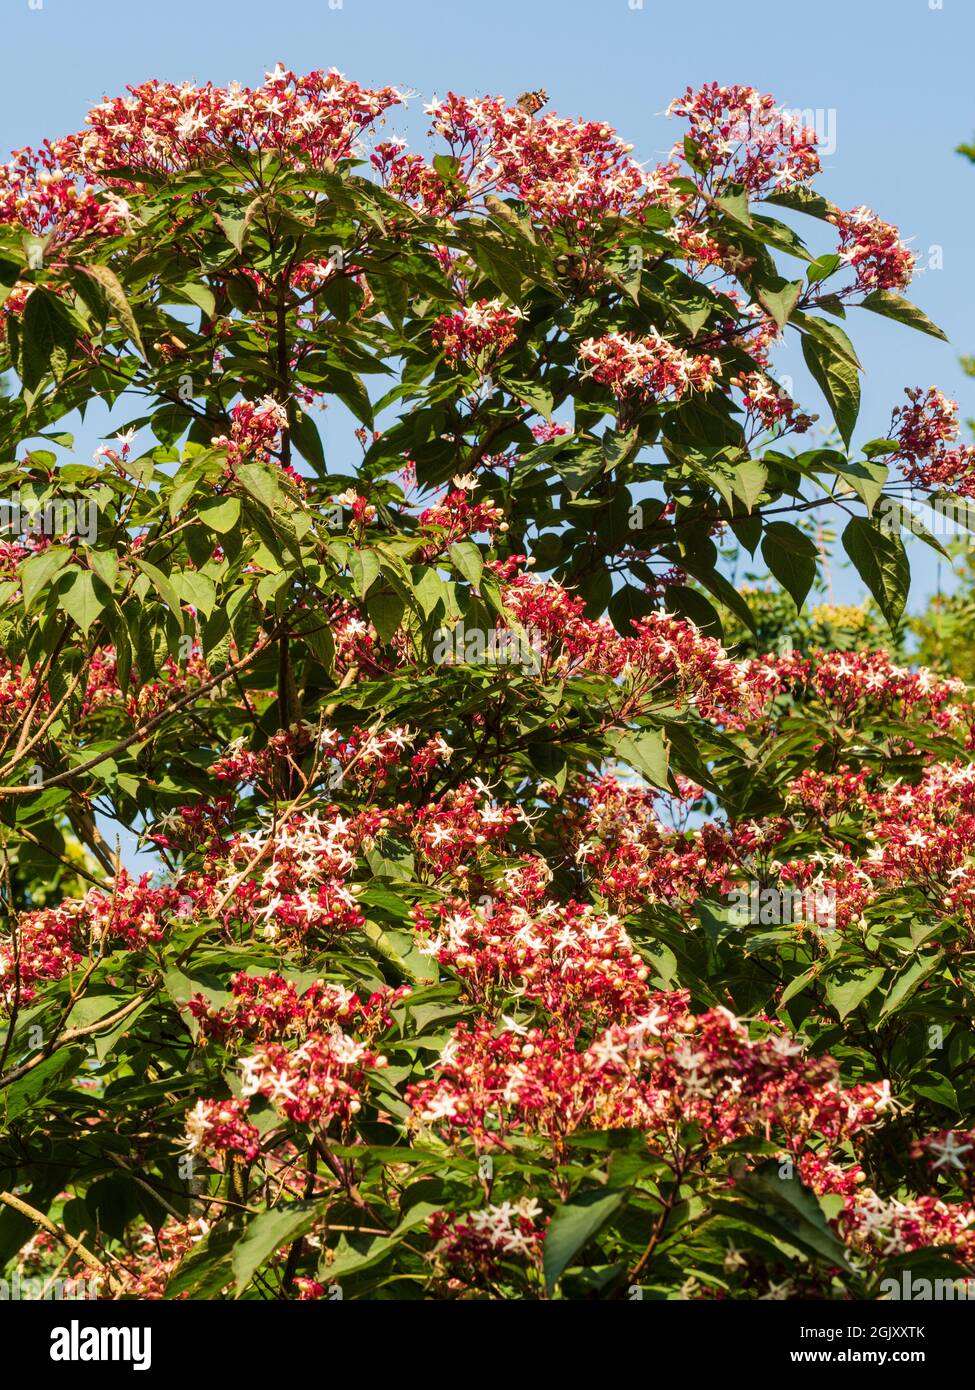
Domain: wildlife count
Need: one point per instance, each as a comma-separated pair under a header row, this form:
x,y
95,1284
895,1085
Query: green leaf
x,y
83,596
579,470
27,1093
718,587
364,565
628,604
572,1226
260,482
355,1253
735,206
161,584
221,514
749,482
797,985
105,565
200,295
317,634
391,859
802,199
839,382
351,391
235,222
882,563
399,949
48,338
117,300
780,302
619,447
385,612
792,557
534,393
909,980
550,761
647,752
305,437
892,306
468,560
266,1233
38,571
823,267
867,478
196,589
847,992
893,510
207,1268
794,1210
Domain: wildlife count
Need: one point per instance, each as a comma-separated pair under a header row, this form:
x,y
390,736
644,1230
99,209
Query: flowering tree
x,y
465,971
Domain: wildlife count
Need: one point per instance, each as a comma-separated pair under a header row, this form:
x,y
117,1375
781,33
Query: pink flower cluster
x,y
314,1083
874,250
855,682
51,942
773,406
48,201
568,173
476,334
664,651
255,431
744,138
270,1008
456,517
311,120
293,876
925,430
646,368
567,959
222,1126
72,187
474,1244
661,1071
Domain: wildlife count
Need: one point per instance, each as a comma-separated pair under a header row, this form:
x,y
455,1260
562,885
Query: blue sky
x,y
892,77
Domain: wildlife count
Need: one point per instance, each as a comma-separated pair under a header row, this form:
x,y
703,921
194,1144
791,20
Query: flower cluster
x,y
456,517
269,1008
646,368
221,1126
874,251
773,406
660,1071
474,1244
924,431
316,1082
312,120
292,878
743,137
569,960
567,173
476,334
255,431
51,942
